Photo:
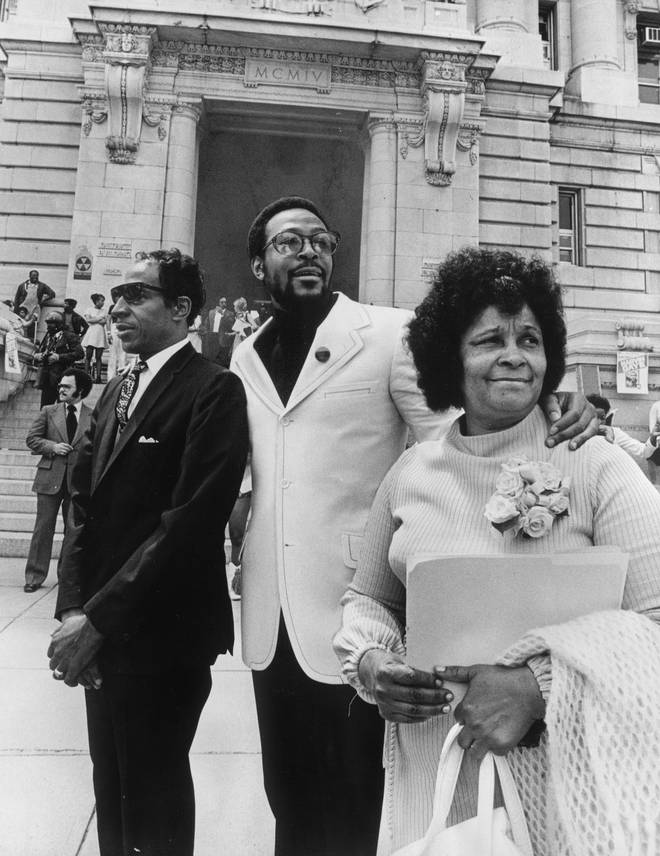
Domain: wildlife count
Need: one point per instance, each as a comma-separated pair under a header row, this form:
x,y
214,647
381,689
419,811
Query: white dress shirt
x,y
154,365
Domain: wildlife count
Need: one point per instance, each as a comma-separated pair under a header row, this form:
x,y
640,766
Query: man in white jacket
x,y
332,396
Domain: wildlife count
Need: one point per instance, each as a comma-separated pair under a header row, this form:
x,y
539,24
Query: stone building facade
x,y
418,125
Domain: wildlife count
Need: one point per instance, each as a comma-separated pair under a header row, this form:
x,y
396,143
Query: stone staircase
x,y
18,504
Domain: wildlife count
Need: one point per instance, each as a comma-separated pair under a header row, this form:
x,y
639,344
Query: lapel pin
x,y
322,354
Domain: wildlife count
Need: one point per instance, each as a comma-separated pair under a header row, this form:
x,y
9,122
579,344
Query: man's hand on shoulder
x,y
73,648
573,418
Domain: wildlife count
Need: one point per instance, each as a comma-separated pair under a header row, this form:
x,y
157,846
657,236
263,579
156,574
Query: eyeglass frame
x,y
143,286
304,238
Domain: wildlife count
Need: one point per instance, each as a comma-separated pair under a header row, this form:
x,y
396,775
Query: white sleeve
x,y
635,448
424,424
374,605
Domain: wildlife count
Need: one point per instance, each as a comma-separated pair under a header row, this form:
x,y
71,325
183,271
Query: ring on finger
x,y
57,674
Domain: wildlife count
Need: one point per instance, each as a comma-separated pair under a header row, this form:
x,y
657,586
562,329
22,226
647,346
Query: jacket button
x,y
285,483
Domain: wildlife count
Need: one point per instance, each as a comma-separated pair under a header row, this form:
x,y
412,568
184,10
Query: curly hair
x,y
468,282
181,276
257,233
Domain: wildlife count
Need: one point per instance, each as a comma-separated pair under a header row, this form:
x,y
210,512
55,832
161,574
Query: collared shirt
x,y
154,365
77,404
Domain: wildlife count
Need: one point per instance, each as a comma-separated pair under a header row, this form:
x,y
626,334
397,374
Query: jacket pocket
x,y
351,545
45,464
351,390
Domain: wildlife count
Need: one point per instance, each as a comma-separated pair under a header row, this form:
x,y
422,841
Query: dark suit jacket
x,y
68,350
144,555
49,428
75,323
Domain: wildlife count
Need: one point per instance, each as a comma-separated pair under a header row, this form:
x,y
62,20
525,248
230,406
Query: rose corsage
x,y
529,496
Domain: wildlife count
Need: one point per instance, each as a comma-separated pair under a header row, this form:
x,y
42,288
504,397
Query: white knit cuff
x,y
352,664
541,666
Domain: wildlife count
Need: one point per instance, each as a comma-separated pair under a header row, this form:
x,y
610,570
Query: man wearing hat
x,y
72,320
58,351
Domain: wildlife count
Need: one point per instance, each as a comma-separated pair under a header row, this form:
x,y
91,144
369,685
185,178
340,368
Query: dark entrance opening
x,y
249,160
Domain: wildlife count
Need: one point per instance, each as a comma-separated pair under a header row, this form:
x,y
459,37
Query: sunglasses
x,y
132,292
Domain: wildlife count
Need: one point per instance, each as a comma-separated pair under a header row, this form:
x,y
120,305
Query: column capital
x,y
190,109
378,122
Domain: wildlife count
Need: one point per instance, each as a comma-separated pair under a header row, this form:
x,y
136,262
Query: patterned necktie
x,y
126,393
71,422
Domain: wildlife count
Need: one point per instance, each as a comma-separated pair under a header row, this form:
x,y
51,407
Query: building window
x,y
547,30
570,244
648,63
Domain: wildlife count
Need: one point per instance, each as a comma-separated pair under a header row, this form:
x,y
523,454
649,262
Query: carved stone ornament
x,y
468,139
631,8
95,112
315,8
126,54
630,336
443,90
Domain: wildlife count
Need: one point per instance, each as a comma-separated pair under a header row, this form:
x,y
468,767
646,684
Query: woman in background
x,y
95,341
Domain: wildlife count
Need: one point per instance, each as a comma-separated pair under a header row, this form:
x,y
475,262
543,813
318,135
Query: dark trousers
x,y
41,543
322,758
140,731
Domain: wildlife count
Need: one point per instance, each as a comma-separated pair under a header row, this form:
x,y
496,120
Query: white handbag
x,y
493,832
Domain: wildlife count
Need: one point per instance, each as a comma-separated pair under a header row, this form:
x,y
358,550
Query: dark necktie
x,y
71,422
126,393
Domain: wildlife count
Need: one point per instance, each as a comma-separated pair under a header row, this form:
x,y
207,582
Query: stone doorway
x,y
247,161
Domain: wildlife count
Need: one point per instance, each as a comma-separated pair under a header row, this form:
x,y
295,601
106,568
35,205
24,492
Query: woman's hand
x,y
403,694
499,708
573,418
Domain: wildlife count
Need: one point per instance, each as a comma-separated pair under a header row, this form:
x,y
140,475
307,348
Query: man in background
x,y
32,293
635,448
72,320
58,351
56,435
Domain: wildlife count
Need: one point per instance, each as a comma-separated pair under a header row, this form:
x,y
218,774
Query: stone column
x,y
510,28
596,74
181,178
381,212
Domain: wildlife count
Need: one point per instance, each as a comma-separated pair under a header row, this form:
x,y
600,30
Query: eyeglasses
x,y
290,243
132,292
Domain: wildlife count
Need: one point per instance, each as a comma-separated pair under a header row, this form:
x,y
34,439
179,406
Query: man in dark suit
x,y
58,351
55,434
143,595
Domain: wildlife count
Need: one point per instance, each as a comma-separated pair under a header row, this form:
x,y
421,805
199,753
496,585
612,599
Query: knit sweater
x,y
432,501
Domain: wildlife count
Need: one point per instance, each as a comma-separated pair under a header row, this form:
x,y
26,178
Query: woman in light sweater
x,y
490,338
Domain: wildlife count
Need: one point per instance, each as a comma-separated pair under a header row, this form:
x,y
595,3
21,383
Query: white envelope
x,y
462,610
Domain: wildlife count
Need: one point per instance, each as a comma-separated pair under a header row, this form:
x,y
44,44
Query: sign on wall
x,y
632,372
82,267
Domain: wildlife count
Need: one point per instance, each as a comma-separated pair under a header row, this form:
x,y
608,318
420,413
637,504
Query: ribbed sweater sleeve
x,y
374,605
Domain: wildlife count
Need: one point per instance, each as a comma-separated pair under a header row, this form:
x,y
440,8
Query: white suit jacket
x,y
316,465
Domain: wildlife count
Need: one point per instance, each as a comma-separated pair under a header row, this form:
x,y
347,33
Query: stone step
x,y
22,458
12,444
17,544
16,521
16,487
18,471
12,432
23,503
21,420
